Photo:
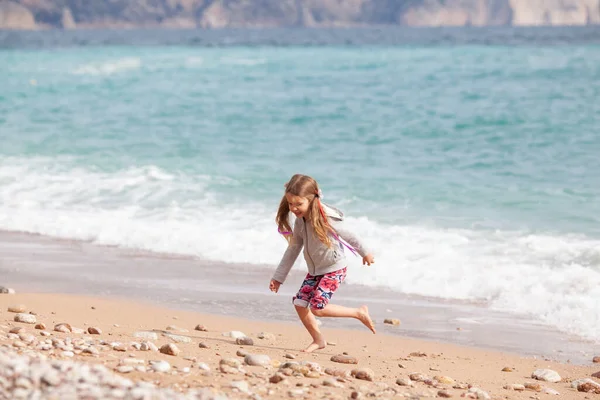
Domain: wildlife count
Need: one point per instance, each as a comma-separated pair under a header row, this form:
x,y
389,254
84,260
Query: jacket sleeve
x,y
345,233
290,255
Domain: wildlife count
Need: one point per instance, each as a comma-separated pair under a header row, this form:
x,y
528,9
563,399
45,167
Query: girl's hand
x,y
274,285
368,259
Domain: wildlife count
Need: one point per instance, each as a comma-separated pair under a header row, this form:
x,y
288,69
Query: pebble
x,y
534,386
261,360
446,380
366,374
203,366
551,391
18,308
160,366
278,377
176,329
124,369
418,354
169,349
40,325
234,334
64,328
507,369
341,373
418,377
244,341
444,394
482,395
17,329
203,345
391,321
596,359
148,346
515,386
343,359
94,331
596,374
241,353
25,318
178,338
404,382
588,387
5,290
242,386
201,328
266,336
146,335
289,356
546,375
332,383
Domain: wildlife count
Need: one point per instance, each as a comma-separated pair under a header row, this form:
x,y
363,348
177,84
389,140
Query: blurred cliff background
x,y
85,14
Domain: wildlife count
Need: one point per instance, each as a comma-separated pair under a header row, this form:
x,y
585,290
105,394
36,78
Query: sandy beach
x,y
389,362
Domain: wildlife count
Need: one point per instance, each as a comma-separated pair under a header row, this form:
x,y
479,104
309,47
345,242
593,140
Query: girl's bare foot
x,y
316,345
363,316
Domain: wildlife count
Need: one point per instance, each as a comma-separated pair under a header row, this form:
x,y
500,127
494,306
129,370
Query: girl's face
x,y
298,205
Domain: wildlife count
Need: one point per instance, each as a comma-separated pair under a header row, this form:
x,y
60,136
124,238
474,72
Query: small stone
x,y
203,345
63,328
175,328
5,290
417,377
67,353
244,341
355,395
266,336
551,391
588,387
278,377
91,350
534,386
418,354
366,374
402,381
515,386
25,318
201,328
341,373
401,366
77,330
242,386
446,380
17,330
169,349
289,356
391,321
124,369
19,345
234,334
146,335
119,347
241,353
260,360
230,362
332,383
178,338
444,394
203,366
94,331
596,374
481,395
507,369
160,366
460,386
18,308
546,375
313,374
577,382
45,333
342,359
40,325
296,393
148,346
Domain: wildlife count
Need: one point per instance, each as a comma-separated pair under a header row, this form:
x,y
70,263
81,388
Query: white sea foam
x,y
109,67
553,278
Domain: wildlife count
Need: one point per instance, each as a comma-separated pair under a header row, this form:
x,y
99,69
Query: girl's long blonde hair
x,y
307,187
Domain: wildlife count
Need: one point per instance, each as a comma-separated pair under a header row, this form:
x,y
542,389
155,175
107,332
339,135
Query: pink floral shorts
x,y
316,291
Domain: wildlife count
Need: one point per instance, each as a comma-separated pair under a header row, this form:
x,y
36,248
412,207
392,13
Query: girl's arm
x,y
290,255
345,233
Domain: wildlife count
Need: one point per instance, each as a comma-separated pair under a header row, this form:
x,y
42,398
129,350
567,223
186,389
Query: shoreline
x,y
37,263
388,357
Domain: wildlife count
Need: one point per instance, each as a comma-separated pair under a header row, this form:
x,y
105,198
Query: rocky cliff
x,y
67,14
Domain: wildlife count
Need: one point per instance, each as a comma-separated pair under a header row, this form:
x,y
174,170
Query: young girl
x,y
318,228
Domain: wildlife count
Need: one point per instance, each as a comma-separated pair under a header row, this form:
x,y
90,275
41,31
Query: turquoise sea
x,y
470,166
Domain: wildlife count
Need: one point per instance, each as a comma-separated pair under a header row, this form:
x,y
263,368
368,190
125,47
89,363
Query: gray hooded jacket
x,y
320,259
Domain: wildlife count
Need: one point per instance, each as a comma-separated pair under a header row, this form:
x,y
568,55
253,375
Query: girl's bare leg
x,y
310,323
333,310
